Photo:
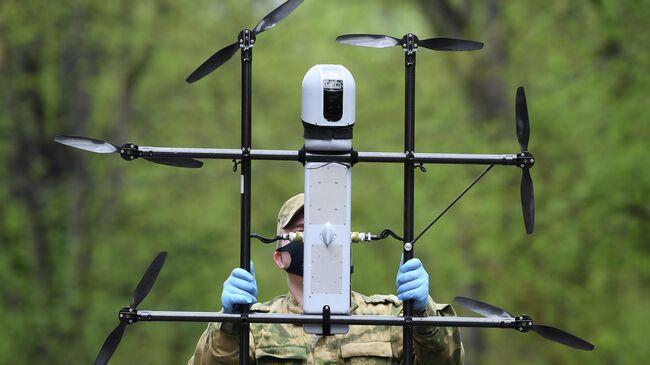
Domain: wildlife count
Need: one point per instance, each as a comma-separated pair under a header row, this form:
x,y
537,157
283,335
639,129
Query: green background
x,y
77,230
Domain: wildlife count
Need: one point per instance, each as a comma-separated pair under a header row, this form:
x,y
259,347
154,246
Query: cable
x,y
385,233
264,239
329,163
453,202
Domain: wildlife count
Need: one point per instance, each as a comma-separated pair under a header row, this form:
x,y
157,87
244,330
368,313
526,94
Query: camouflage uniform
x,y
289,344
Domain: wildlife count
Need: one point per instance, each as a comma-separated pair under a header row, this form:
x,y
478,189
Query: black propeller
x,y
141,291
523,134
126,151
383,41
224,54
548,332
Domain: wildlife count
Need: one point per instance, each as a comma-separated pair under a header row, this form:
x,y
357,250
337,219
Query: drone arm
x,y
289,155
366,320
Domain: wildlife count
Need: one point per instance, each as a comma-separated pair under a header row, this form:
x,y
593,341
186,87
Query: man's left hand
x,y
413,283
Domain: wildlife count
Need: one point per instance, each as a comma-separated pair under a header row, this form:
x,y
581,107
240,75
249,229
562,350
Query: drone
x,y
328,111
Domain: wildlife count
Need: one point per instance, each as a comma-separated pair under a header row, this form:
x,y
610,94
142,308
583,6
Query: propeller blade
x,y
87,144
527,200
369,40
450,44
484,309
176,161
521,116
557,335
212,63
110,345
149,278
276,16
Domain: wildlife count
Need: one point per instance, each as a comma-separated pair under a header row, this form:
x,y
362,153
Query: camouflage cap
x,y
289,210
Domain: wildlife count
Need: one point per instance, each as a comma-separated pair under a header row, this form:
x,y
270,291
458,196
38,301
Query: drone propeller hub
x,y
246,39
525,160
128,315
410,43
129,151
523,323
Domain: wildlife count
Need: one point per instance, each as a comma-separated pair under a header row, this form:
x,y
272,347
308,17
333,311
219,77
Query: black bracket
x,y
354,157
420,166
128,315
408,321
523,323
246,43
129,151
525,160
245,156
302,155
410,46
327,325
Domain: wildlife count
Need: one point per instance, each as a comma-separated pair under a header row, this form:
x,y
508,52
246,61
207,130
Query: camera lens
x,y
333,105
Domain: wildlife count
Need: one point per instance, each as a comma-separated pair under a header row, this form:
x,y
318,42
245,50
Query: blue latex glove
x,y
413,283
240,288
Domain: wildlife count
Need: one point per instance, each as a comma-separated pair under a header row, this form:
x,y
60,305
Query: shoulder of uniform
x,y
381,299
267,306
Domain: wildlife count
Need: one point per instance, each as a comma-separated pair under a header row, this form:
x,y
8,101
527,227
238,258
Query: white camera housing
x,y
328,108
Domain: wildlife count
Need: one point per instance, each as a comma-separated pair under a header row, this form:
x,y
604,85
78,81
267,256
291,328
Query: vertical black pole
x,y
409,179
245,227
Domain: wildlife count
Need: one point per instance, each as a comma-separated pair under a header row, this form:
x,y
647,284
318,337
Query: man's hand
x,y
413,283
240,288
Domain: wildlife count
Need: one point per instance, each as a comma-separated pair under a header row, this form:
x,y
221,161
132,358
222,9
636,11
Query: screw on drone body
x,y
408,246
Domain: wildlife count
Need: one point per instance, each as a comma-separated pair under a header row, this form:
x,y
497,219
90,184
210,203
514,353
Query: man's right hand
x,y
240,288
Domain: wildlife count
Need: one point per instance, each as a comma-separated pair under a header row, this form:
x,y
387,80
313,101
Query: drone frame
x,y
409,158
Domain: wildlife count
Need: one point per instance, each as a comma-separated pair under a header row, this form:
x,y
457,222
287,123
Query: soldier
x,y
288,343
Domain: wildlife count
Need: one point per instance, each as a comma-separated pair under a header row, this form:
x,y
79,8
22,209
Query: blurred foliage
x,y
77,230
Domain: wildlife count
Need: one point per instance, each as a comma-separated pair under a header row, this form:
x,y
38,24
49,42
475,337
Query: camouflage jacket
x,y
289,344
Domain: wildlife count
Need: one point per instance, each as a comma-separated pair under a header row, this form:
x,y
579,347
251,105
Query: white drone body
x,y
328,111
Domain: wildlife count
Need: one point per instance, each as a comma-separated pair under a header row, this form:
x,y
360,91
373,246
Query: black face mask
x,y
295,250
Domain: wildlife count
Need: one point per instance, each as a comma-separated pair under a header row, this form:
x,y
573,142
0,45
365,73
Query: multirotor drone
x,y
328,109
